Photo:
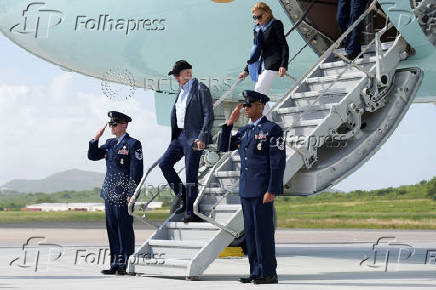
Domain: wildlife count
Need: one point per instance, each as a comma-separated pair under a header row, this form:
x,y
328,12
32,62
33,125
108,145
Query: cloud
x,y
46,128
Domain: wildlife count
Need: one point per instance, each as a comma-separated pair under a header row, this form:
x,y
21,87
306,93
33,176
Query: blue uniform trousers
x,y
348,12
259,235
119,227
176,150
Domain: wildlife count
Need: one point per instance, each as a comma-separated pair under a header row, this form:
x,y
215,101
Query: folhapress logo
x,y
38,20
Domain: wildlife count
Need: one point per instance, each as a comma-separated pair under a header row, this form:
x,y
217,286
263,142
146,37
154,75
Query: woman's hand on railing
x,y
243,75
282,71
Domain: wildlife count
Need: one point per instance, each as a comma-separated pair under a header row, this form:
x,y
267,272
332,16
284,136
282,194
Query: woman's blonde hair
x,y
263,6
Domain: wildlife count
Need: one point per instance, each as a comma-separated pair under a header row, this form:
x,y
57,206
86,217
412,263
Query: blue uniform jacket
x,y
124,167
263,157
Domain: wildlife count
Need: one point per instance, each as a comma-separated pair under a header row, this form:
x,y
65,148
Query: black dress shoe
x,y
121,272
353,56
181,208
191,218
247,279
111,271
266,280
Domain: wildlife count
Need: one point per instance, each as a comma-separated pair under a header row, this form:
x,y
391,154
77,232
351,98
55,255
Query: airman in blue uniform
x,y
263,158
124,169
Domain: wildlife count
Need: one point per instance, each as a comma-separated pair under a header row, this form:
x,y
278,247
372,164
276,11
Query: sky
x,y
47,117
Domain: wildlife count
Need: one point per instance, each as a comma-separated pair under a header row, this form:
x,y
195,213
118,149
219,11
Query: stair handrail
x,y
202,193
324,56
352,62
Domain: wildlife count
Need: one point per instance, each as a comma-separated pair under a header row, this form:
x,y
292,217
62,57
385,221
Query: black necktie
x,y
250,131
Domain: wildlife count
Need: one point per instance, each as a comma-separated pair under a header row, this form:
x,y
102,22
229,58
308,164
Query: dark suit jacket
x,y
275,49
263,157
124,166
199,114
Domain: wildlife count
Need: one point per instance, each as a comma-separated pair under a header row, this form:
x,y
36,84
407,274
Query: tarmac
x,y
71,256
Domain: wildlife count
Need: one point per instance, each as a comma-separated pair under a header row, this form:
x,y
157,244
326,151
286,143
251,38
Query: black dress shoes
x,y
248,279
266,280
111,271
191,218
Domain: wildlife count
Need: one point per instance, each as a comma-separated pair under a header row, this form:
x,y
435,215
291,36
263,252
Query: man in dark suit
x,y
348,12
191,121
263,159
124,169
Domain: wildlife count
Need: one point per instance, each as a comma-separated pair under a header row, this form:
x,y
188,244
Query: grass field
x,y
67,216
404,207
375,214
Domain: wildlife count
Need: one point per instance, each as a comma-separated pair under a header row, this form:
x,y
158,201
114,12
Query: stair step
x,y
222,213
327,79
305,123
220,190
300,109
162,266
227,174
176,244
176,249
190,226
384,45
236,158
326,93
200,231
341,63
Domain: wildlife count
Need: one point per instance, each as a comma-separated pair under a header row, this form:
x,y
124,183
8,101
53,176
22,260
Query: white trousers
x,y
263,86
265,80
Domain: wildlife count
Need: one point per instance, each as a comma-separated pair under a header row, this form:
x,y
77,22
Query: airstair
x,y
334,118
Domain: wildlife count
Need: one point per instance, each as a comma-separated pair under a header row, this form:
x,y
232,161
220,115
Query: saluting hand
x,y
100,133
235,115
282,72
268,197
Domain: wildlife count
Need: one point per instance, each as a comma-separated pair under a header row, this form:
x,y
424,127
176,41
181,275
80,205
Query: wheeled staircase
x,y
335,118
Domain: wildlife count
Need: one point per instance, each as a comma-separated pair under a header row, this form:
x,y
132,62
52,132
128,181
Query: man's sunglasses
x,y
113,124
258,17
246,105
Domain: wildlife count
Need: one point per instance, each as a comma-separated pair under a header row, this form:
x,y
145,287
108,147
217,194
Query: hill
x,y
74,180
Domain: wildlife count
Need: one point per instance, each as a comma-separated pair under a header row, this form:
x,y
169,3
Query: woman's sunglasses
x,y
258,17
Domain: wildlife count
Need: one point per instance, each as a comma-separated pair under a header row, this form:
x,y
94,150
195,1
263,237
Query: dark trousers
x,y
348,12
259,236
176,150
119,226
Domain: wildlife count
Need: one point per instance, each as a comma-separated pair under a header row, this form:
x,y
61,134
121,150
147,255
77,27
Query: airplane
x,y
117,42
324,98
